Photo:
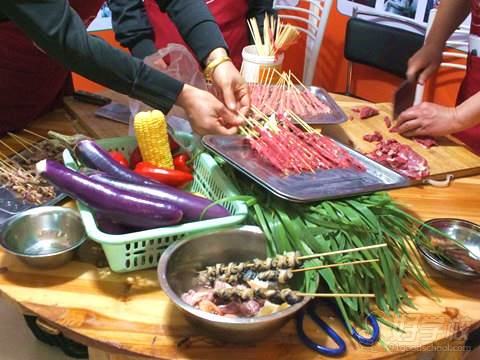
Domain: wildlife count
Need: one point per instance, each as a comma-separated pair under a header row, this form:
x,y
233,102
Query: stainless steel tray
x,y
306,187
337,116
10,204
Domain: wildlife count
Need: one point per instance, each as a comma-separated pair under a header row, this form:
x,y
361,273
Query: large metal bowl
x,y
462,231
43,237
177,272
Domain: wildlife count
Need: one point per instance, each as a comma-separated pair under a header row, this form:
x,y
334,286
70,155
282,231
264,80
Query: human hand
x,y
231,84
428,119
233,87
424,63
206,113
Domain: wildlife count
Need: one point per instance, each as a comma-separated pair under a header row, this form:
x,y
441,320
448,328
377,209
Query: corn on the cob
x,y
152,137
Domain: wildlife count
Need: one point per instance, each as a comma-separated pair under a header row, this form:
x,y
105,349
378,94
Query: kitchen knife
x,y
404,97
115,111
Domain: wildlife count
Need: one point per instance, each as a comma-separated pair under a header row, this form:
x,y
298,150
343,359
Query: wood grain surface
x,y
128,314
451,157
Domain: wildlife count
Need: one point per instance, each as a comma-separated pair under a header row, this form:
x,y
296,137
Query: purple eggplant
x,y
121,206
106,225
191,205
95,157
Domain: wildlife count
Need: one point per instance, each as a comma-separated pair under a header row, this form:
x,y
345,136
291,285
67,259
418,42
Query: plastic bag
x,y
183,67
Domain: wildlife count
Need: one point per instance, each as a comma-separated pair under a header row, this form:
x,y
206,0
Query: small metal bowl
x,y
177,272
43,237
462,231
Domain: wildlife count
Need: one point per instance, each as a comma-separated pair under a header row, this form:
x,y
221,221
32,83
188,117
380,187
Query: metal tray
x,y
306,187
10,204
337,116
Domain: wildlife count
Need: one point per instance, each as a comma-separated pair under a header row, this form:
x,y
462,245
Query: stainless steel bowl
x,y
177,274
43,237
462,231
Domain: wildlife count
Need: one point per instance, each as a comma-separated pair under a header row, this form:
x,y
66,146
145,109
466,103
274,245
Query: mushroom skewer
x,y
290,260
281,276
275,296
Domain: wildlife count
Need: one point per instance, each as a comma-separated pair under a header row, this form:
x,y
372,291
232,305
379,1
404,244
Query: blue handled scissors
x,y
340,350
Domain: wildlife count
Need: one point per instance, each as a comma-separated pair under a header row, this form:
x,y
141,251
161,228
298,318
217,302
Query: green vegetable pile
x,y
343,224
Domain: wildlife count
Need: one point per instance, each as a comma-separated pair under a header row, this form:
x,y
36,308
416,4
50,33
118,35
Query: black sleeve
x,y
257,9
132,27
57,29
195,24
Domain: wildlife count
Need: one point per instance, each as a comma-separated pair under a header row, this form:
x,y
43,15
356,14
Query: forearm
x,y
60,32
196,25
450,14
132,27
468,112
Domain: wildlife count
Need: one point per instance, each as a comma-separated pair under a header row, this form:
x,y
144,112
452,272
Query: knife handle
x,y
91,98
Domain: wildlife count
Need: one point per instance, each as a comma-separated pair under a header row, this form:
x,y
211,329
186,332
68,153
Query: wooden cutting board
x,y
451,157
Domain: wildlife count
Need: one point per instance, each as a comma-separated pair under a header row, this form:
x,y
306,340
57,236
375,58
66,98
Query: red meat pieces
x,y
388,121
375,137
426,142
401,158
365,112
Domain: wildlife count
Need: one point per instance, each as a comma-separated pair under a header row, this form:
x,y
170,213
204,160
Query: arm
x,y
425,61
132,27
436,120
200,31
257,9
57,29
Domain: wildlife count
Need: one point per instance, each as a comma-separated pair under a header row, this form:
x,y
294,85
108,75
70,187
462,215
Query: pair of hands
x,y
207,114
427,118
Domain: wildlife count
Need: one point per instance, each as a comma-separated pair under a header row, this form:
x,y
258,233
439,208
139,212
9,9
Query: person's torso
x,y
471,83
229,14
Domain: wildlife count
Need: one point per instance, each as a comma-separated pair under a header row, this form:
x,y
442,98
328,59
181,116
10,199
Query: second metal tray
x,y
305,187
337,116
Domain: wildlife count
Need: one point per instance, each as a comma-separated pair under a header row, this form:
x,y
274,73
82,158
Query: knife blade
x,y
115,111
404,97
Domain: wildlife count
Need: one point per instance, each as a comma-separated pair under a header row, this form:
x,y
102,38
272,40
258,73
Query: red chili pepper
x,y
166,176
119,157
181,163
135,157
173,145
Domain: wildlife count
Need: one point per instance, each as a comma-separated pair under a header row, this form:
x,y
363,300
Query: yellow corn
x,y
152,137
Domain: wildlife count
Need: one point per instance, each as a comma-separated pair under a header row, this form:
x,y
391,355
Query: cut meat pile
x,y
279,99
291,150
374,137
401,158
426,142
365,112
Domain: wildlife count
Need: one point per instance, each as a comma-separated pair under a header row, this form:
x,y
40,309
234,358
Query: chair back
x,y
309,17
380,46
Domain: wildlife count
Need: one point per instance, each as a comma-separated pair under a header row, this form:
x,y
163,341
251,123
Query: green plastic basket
x,y
142,249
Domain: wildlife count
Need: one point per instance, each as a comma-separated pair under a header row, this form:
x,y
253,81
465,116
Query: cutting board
x,y
451,157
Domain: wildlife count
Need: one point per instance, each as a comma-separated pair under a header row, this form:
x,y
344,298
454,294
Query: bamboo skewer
x,y
335,295
26,146
13,150
328,266
362,248
36,134
26,140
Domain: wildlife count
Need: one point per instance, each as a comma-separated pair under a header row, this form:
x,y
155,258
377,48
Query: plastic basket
x,y
142,249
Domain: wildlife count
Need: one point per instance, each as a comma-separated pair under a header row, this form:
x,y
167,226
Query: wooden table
x,y
119,316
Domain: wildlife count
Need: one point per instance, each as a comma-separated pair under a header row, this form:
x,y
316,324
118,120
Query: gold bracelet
x,y
212,65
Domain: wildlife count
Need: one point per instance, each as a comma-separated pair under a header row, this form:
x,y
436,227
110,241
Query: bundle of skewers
x,y
277,36
291,150
262,282
17,172
280,92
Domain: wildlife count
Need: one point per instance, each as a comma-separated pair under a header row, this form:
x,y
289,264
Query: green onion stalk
x,y
342,224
